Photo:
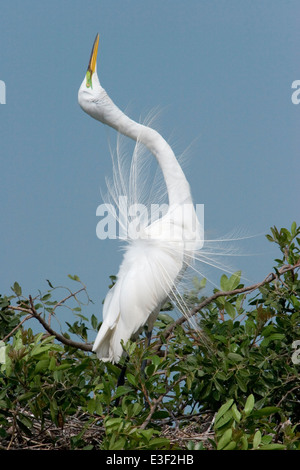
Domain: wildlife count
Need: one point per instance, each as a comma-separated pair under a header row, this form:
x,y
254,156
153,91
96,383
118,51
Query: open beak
x,y
93,58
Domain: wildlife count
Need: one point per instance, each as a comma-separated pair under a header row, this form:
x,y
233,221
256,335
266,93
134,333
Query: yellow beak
x,y
93,58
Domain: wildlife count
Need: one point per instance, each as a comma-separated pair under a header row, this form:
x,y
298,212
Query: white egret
x,y
157,258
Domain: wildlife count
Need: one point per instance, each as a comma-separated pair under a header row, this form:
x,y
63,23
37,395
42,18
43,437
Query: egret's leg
x,y
121,378
148,336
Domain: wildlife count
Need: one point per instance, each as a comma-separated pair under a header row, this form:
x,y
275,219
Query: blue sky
x,y
221,71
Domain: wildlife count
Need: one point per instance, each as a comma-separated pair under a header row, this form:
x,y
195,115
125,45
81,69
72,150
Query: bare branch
x,y
156,402
58,336
271,277
61,302
32,313
18,326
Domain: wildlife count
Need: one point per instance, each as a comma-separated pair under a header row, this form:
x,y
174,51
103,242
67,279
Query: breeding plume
x,y
157,257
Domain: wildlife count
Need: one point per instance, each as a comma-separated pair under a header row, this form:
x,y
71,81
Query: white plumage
x,y
157,257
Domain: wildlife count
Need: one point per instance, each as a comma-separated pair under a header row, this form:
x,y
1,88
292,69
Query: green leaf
x,y
224,419
249,405
74,278
50,284
94,406
122,390
136,409
64,366
224,408
42,365
17,289
52,364
38,306
164,317
131,379
225,439
118,445
230,446
256,439
272,337
224,283
273,447
235,413
242,383
235,357
45,297
112,423
130,347
266,439
147,433
159,443
94,322
230,309
270,238
25,423
244,443
40,349
234,280
26,396
267,411
156,360
295,301
150,369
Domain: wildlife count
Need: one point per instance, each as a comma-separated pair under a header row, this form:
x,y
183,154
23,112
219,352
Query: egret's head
x,y
92,98
90,87
91,72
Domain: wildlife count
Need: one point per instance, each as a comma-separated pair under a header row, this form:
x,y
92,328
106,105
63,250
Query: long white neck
x,y
103,109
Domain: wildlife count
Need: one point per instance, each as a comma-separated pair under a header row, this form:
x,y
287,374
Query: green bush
x,y
234,384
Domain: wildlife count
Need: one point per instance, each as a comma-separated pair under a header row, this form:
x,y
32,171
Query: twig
x,y
157,401
33,313
63,301
18,326
218,294
61,338
287,393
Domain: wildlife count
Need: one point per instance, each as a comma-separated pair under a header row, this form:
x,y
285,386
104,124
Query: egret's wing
x,y
145,278
111,313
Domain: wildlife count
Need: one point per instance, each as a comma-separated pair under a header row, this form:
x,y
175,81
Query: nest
x,y
49,436
79,432
190,434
